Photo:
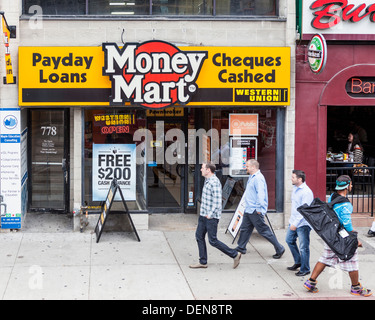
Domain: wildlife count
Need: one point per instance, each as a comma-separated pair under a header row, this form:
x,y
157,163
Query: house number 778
x,y
48,131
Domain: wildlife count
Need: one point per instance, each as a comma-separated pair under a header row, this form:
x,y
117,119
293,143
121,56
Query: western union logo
x,y
261,95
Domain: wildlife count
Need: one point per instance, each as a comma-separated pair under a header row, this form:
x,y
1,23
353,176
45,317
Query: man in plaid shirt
x,y
210,214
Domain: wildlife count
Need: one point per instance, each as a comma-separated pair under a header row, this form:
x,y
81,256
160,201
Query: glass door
x,y
49,160
166,166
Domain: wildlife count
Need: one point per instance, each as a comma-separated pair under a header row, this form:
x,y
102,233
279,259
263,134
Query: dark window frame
x,y
212,16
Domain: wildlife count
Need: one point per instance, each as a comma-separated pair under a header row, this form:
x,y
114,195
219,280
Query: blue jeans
x,y
302,255
251,220
209,226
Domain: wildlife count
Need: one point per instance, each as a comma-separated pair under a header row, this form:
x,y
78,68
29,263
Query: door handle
x,y
64,167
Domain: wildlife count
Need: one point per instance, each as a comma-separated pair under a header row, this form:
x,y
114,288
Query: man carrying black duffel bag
x,y
329,258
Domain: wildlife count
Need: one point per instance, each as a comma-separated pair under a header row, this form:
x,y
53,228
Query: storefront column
x,y
76,183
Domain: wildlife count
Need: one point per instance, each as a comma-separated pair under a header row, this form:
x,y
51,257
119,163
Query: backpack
x,y
324,220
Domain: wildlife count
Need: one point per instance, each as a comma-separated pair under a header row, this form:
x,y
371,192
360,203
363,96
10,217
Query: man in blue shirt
x,y
256,200
298,226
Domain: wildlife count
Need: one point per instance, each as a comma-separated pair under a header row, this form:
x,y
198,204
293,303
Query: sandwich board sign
x,y
106,209
236,221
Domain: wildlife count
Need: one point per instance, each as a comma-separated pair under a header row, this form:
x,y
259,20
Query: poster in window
x,y
243,124
242,149
113,161
10,169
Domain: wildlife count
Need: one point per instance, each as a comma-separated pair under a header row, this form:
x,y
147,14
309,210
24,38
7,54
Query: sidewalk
x,y
61,264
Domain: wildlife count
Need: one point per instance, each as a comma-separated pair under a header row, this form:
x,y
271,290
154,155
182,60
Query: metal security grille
x,y
362,195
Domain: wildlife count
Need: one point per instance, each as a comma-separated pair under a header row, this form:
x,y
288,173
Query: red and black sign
x,y
154,74
333,12
361,87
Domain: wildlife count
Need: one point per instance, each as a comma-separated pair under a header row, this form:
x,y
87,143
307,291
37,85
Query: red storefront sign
x,y
361,87
332,12
154,74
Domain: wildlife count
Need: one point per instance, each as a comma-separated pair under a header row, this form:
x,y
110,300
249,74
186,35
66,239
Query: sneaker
x,y
236,260
311,286
360,291
198,266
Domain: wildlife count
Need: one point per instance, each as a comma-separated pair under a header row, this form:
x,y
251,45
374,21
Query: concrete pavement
x,y
52,262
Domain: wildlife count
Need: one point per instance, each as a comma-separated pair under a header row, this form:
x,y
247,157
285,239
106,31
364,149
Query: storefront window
x,y
55,7
156,7
246,7
106,7
111,151
229,154
184,7
145,152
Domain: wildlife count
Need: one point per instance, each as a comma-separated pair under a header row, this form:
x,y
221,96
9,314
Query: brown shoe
x,y
236,260
198,266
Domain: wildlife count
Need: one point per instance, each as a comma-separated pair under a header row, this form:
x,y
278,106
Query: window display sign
x,y
114,123
167,112
244,124
10,172
154,74
113,161
241,150
206,148
113,119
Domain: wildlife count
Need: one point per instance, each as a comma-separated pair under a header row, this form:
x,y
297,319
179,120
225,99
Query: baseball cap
x,y
341,185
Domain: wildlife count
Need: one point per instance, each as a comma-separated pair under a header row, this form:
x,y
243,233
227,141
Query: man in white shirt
x,y
298,226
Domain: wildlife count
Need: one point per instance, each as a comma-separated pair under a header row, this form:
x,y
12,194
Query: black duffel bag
x,y
323,219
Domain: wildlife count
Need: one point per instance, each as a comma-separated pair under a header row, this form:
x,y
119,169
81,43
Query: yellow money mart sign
x,y
154,74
